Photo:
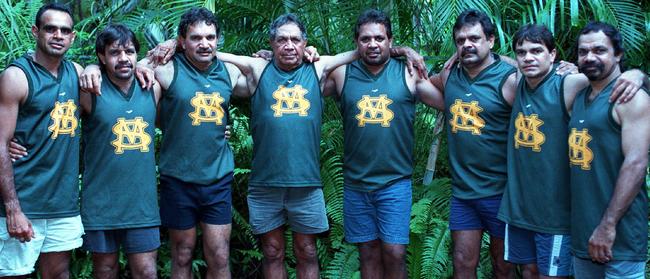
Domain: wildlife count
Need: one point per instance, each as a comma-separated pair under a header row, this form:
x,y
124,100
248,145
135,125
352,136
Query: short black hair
x,y
283,20
195,15
115,33
472,17
534,33
52,6
373,16
611,32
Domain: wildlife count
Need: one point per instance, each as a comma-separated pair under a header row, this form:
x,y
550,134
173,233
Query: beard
x,y
380,60
593,70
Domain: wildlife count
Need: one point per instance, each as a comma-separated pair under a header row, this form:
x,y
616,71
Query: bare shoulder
x,y
232,69
13,84
78,67
637,106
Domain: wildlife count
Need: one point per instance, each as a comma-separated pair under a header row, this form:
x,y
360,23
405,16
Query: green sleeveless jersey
x,y
193,118
378,114
538,170
477,119
287,107
119,179
595,157
47,180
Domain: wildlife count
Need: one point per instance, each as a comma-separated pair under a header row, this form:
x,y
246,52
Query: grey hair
x,y
283,20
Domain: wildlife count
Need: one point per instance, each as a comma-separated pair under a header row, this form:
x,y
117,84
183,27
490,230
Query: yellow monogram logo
x,y
374,110
64,120
527,133
207,108
290,100
579,152
130,135
465,117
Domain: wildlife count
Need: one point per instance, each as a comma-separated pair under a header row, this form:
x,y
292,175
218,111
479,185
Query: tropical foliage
x,y
424,25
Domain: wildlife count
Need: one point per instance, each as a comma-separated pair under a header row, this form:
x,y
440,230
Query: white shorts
x,y
50,235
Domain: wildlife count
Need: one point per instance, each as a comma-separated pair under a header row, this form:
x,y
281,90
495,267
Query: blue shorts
x,y
136,240
550,252
477,214
303,208
383,214
184,204
586,269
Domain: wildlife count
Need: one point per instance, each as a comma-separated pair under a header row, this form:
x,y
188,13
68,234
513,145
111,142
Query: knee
x,y
529,271
148,272
273,251
394,255
219,257
105,269
370,251
183,253
306,252
465,260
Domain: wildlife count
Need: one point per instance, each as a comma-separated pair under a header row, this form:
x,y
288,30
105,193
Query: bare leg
x,y
143,265
466,252
216,249
273,248
304,247
371,259
529,271
54,265
182,247
105,266
394,260
502,269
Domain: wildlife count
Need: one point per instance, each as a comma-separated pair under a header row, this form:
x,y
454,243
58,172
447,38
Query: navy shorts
x,y
477,214
136,240
184,204
551,252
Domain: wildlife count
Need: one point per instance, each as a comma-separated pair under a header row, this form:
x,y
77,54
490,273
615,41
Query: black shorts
x,y
184,204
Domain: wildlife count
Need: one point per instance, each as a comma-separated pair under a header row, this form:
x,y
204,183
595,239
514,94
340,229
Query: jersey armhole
x,y
345,82
610,117
413,95
225,68
565,112
173,82
261,78
503,81
30,86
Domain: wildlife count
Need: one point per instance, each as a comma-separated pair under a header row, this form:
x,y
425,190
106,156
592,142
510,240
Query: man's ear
x,y
102,58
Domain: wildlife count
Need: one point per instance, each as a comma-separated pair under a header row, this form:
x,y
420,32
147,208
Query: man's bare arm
x,y
238,81
634,118
509,88
13,92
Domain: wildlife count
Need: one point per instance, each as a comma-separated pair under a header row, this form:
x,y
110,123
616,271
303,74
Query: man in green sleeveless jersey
x,y
39,101
285,185
378,99
538,172
608,154
119,201
478,95
195,182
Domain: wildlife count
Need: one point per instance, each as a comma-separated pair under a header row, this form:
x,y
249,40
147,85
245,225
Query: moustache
x,y
593,64
121,65
468,51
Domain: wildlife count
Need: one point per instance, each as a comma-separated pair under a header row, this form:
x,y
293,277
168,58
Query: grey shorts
x,y
586,269
135,240
303,208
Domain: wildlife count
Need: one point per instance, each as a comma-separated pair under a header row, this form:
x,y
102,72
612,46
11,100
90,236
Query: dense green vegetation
x,y
425,25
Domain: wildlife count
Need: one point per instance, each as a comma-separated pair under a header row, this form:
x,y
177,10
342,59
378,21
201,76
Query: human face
x,y
534,59
472,46
200,44
119,60
55,35
596,58
373,44
288,46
